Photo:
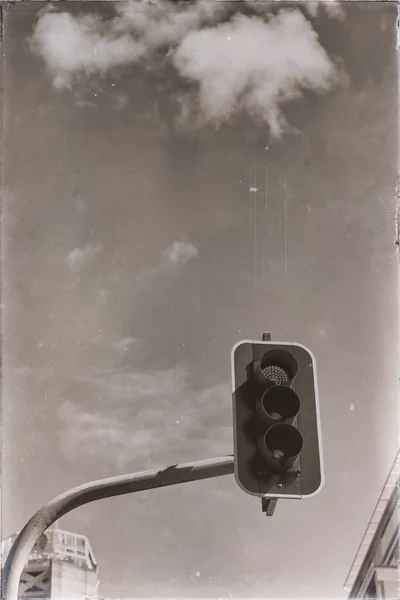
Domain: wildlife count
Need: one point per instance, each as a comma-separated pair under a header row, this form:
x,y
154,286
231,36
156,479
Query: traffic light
x,y
277,437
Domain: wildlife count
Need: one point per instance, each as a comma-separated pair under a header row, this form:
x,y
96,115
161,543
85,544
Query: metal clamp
x,y
268,506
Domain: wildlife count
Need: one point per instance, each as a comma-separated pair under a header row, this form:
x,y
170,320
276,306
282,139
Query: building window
x,y
371,589
394,557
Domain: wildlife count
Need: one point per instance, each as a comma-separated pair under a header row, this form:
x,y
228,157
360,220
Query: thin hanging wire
x,y
266,174
255,239
285,219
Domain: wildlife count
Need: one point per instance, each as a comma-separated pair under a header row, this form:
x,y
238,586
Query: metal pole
x,y
96,490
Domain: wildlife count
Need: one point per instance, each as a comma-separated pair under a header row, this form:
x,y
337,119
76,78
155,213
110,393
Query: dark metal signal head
x,y
277,438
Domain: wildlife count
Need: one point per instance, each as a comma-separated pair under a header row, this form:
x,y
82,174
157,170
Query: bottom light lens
x,y
283,440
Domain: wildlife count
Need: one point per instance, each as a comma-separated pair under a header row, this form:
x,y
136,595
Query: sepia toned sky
x,y
135,256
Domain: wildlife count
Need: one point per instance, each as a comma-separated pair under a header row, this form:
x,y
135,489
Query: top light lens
x,y
276,374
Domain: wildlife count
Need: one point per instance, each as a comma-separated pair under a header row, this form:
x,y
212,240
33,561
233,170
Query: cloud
x,y
176,255
147,417
39,375
332,8
180,252
80,257
120,101
165,23
124,344
72,45
130,385
247,64
234,62
84,45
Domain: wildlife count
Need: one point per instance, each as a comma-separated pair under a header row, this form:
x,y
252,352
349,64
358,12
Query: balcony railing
x,y
58,544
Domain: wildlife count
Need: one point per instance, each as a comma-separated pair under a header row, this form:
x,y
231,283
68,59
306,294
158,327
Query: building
x,y
375,569
61,566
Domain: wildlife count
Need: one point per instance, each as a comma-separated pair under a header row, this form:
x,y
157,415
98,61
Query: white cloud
x,y
174,256
180,252
120,101
237,63
333,8
73,45
130,385
164,23
39,374
80,257
147,416
312,8
248,64
124,344
83,45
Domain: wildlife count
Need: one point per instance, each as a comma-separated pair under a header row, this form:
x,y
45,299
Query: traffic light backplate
x,y
276,405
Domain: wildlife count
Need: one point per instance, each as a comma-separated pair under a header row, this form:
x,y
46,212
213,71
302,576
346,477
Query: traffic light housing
x,y
277,436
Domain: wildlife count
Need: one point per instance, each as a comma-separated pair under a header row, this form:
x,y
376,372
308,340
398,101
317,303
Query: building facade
x,y
375,569
61,566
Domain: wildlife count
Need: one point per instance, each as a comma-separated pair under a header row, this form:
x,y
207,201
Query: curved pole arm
x,y
96,490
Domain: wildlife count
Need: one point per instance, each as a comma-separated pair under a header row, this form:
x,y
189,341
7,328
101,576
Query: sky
x,y
135,256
